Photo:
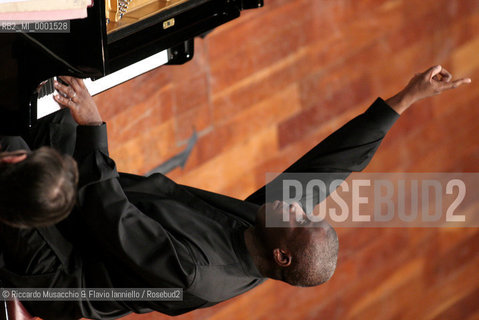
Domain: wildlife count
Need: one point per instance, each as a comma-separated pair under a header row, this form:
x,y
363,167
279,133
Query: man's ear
x,y
282,257
13,158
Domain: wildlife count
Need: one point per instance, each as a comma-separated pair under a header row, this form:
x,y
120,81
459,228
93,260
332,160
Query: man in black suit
x,y
133,231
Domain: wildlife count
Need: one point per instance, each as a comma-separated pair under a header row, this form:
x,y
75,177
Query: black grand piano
x,y
117,41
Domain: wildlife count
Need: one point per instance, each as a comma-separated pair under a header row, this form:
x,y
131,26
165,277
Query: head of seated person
x,y
37,188
297,250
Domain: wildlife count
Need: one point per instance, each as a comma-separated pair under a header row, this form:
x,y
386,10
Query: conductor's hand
x,y
75,96
431,82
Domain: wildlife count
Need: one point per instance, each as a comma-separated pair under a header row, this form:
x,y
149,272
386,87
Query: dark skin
x,y
431,82
264,243
271,248
81,104
76,97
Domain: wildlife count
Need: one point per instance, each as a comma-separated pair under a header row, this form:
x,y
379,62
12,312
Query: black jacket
x,y
134,231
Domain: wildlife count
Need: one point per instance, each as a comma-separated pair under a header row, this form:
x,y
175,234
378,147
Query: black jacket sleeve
x,y
12,143
119,231
346,150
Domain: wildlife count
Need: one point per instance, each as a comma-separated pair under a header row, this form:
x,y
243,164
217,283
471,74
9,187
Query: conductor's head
x,y
302,253
36,188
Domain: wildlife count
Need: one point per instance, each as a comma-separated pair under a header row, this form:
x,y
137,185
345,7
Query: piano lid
x,y
100,45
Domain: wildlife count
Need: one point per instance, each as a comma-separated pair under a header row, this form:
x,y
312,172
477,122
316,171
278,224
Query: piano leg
x,y
181,53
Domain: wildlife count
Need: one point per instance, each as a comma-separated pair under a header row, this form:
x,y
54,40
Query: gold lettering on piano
x,y
169,23
122,13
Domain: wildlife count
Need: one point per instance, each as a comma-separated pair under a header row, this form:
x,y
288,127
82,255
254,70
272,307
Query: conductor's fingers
x,y
446,75
455,83
431,72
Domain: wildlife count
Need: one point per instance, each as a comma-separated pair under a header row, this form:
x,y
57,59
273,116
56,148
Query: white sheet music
x,y
8,1
42,5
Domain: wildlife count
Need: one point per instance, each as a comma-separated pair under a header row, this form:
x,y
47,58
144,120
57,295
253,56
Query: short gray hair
x,y
314,263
